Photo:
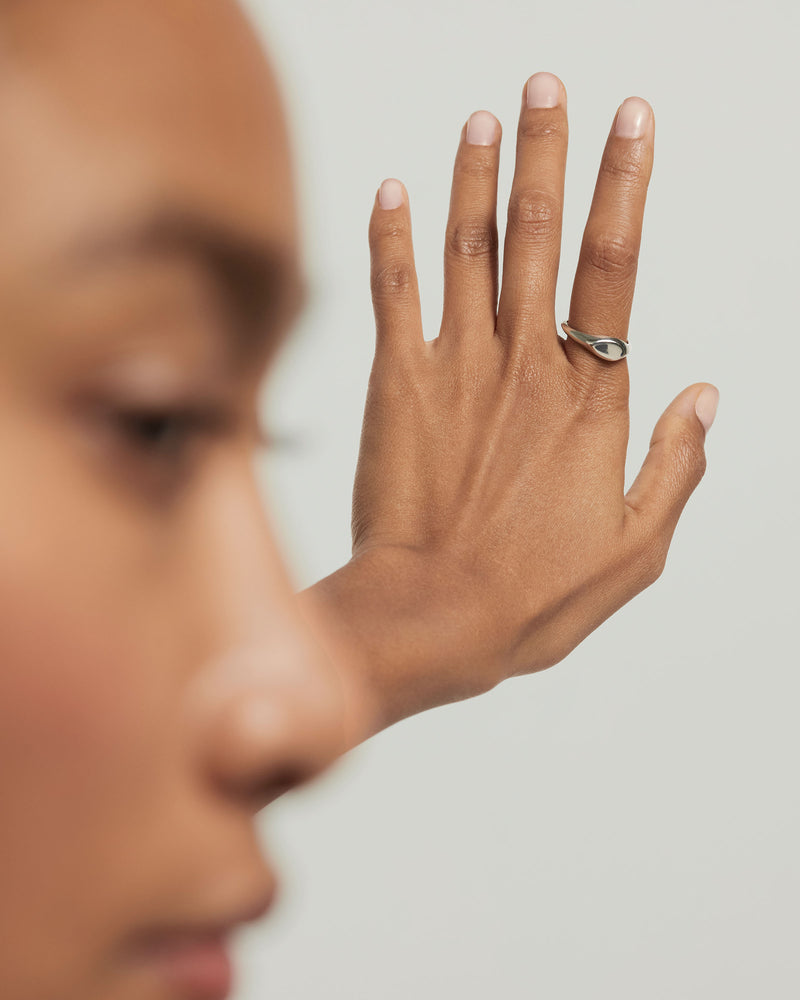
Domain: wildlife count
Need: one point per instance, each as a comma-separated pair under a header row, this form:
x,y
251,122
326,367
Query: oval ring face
x,y
610,350
607,348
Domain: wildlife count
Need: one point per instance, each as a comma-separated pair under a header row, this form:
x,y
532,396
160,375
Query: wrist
x,y
381,618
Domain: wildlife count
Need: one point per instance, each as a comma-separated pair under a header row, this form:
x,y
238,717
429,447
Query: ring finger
x,y
604,282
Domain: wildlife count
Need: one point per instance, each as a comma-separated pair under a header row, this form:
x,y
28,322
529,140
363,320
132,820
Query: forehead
x,y
108,105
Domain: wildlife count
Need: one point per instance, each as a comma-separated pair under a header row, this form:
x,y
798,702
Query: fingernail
x,y
481,128
633,118
391,193
705,406
544,91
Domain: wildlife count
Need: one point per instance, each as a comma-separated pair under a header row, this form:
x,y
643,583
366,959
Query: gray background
x,y
626,824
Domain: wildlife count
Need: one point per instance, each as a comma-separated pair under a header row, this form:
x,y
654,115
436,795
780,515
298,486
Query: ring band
x,y
607,348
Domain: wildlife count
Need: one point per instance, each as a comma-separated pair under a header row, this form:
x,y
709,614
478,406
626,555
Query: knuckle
x,y
399,380
690,458
385,232
622,169
611,254
597,391
470,239
520,369
648,555
534,215
541,128
604,399
479,163
393,279
654,560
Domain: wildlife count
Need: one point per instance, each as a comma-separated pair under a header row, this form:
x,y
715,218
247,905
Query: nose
x,y
270,708
272,719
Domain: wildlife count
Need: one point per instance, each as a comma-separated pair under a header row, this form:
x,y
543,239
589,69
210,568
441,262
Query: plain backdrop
x,y
625,825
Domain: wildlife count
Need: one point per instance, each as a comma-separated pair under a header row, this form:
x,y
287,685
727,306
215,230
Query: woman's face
x,y
156,684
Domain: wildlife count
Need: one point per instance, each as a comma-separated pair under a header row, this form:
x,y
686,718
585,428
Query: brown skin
x,y
138,564
159,680
491,529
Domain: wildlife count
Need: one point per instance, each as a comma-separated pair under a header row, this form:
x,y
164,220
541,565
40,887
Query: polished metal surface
x,y
607,348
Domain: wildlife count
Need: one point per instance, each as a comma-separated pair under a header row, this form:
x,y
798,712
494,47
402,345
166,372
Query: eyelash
x,y
153,432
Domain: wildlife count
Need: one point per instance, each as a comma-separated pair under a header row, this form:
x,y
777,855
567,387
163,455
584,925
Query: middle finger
x,y
526,312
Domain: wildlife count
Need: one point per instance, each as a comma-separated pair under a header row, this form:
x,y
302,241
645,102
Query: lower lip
x,y
194,970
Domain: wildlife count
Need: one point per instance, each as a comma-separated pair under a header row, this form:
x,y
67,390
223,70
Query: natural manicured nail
x,y
543,91
633,118
705,406
391,193
481,128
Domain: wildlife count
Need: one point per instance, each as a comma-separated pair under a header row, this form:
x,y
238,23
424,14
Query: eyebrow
x,y
262,286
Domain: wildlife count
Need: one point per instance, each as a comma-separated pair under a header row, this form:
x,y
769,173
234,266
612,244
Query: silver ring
x,y
607,348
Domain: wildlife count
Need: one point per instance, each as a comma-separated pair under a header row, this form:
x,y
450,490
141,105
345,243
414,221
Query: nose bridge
x,y
243,571
267,701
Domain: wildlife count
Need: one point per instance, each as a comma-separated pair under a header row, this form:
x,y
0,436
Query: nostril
x,y
261,779
282,782
260,794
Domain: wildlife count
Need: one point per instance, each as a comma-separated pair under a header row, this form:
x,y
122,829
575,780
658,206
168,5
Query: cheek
x,y
77,633
64,700
73,711
84,712
69,688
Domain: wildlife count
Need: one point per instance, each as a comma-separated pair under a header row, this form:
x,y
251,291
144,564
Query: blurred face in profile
x,y
156,685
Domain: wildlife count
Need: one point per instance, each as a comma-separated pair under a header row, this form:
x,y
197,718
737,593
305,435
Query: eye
x,y
159,448
168,433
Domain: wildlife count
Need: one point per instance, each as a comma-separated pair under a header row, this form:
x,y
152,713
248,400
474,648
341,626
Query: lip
x,y
192,961
194,967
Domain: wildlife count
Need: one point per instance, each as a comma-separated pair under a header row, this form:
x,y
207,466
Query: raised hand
x,y
491,527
